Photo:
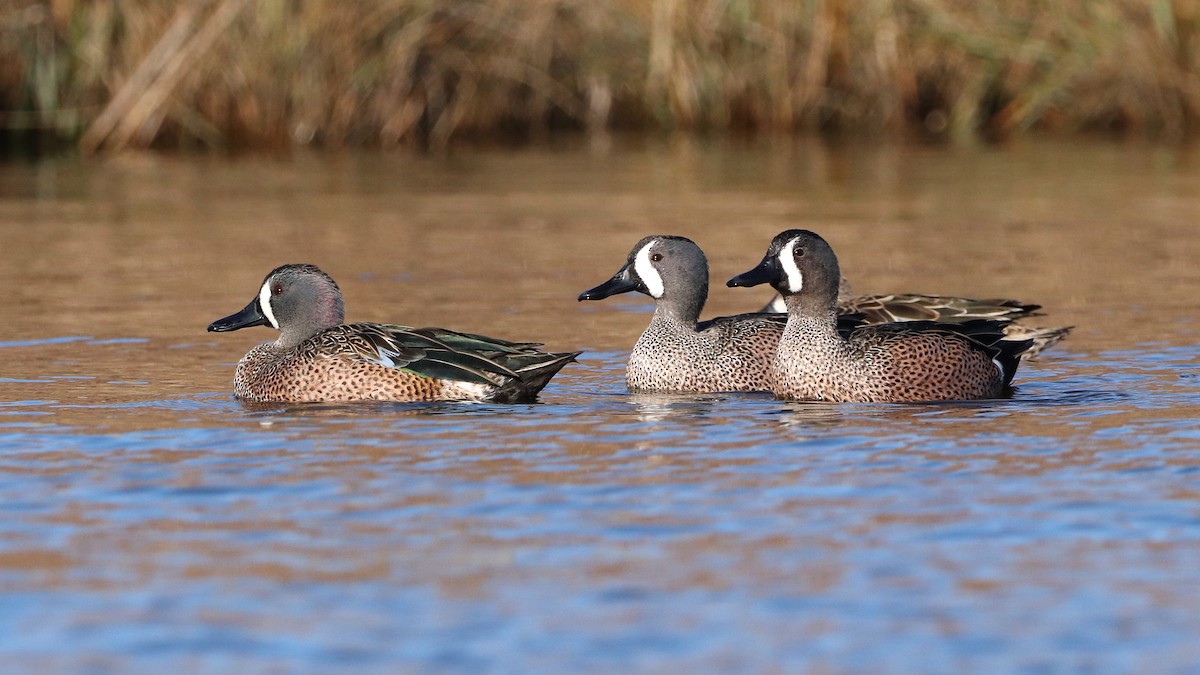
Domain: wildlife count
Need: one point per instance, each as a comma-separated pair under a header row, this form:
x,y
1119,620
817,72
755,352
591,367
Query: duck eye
x,y
655,257
277,289
798,252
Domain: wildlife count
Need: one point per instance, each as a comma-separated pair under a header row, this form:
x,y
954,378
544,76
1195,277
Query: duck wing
x,y
430,352
846,323
764,317
919,307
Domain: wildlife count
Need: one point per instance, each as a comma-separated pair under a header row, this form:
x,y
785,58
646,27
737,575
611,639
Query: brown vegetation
x,y
269,73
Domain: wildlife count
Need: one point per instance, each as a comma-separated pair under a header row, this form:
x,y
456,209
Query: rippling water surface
x,y
149,522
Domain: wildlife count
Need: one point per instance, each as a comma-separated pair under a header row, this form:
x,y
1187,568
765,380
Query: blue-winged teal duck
x,y
318,358
885,363
676,353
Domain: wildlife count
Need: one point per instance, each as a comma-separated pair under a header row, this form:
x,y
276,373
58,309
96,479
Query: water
x,y
149,522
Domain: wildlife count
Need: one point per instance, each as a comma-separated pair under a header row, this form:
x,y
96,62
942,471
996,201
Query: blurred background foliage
x,y
109,74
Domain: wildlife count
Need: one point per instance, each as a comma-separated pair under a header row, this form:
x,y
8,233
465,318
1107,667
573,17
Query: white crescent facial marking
x,y
787,258
264,303
645,269
999,367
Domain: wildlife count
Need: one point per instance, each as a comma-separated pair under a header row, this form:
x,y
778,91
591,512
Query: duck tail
x,y
533,375
1041,337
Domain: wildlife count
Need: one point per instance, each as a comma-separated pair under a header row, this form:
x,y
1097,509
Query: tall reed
x,y
269,73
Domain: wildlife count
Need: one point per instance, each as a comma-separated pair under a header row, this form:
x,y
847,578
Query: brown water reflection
x,y
1102,235
150,521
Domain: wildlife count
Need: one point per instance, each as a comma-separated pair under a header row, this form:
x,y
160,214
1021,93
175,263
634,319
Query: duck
x,y
319,358
677,352
902,362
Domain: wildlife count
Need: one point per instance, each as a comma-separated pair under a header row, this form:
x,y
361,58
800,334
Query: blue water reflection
x,y
603,530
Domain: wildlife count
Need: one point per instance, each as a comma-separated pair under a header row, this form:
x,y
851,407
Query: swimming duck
x,y
894,362
677,352
319,358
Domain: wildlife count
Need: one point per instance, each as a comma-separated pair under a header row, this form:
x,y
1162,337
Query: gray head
x,y
668,268
297,300
802,267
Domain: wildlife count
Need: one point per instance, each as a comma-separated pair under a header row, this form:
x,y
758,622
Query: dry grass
x,y
270,73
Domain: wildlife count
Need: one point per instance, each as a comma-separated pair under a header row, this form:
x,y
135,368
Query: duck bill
x,y
766,272
622,282
250,316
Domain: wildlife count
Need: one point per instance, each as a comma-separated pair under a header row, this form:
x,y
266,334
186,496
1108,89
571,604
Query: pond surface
x,y
149,522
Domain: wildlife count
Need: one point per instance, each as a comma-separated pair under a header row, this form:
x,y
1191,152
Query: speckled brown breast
x,y
267,374
730,355
884,368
